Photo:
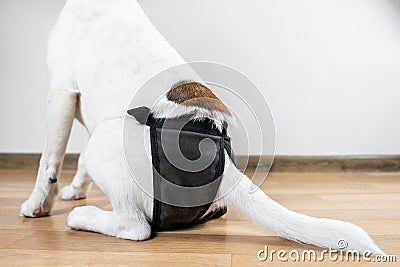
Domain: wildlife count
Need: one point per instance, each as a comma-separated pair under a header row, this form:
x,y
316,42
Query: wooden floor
x,y
371,200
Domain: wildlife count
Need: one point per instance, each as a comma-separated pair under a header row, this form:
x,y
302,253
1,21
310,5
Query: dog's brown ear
x,y
190,93
141,114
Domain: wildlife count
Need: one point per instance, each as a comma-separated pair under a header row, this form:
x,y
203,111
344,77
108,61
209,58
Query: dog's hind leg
x,y
80,184
105,163
133,226
60,115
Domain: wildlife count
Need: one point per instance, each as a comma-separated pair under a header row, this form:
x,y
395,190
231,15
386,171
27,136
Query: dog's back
x,y
105,50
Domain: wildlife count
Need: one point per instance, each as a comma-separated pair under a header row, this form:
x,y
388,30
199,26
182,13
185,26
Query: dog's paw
x,y
139,232
77,217
71,192
34,207
90,218
40,203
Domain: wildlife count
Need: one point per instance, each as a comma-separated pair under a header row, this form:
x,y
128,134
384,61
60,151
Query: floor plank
x,y
86,258
370,200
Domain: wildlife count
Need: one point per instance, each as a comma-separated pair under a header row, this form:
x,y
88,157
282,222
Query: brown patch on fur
x,y
191,93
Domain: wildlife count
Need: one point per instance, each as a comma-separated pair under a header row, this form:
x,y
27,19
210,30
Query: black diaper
x,y
188,162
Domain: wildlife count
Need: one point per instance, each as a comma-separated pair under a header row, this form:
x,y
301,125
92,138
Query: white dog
x,y
99,53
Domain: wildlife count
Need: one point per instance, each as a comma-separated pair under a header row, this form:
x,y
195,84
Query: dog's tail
x,y
251,202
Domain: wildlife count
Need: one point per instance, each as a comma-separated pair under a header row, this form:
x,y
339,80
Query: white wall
x,y
329,68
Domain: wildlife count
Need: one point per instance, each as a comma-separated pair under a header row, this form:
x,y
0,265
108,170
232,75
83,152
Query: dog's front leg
x,y
61,111
79,186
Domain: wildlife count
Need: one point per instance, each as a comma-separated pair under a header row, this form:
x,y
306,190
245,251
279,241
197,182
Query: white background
x,y
330,69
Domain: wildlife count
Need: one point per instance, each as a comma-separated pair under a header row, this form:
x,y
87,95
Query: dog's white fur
x,y
99,53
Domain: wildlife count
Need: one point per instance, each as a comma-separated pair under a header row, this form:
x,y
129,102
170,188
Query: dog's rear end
x,y
236,188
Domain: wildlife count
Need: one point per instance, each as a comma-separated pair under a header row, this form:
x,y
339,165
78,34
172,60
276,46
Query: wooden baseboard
x,y
377,163
31,161
389,163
